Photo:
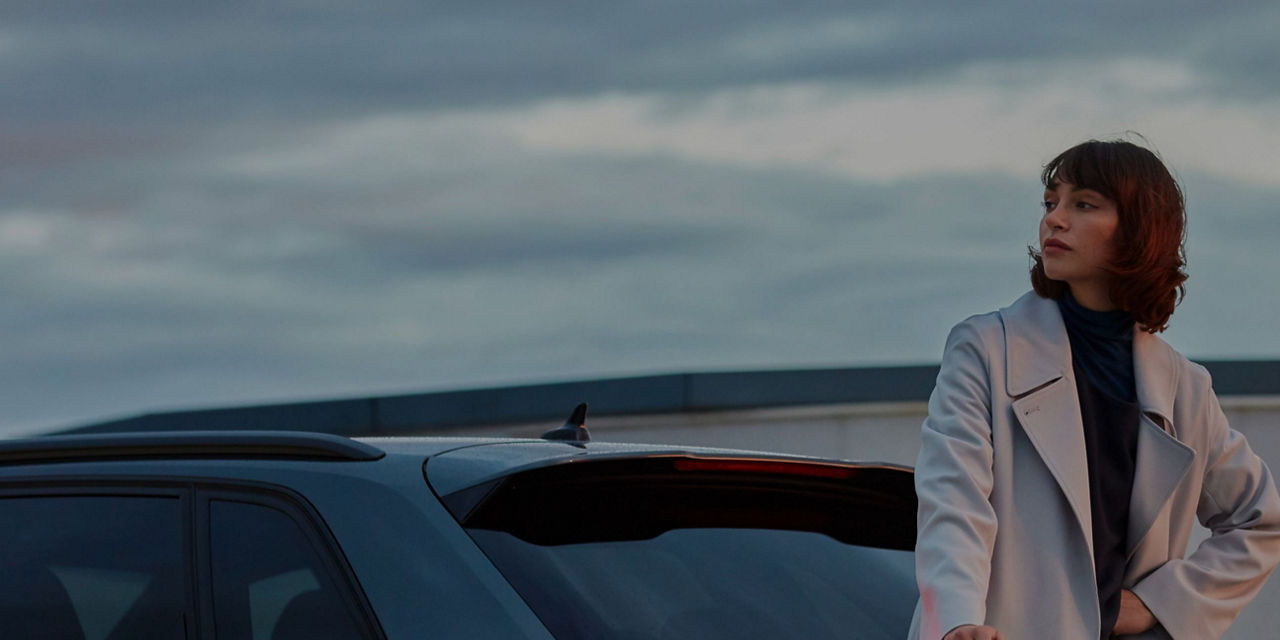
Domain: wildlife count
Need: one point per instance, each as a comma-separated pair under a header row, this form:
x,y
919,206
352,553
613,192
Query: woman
x,y
1068,449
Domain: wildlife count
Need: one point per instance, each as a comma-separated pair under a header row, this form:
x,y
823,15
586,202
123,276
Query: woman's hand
x,y
1134,616
974,632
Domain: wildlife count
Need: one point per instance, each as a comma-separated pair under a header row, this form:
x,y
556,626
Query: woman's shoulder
x,y
1187,375
1029,312
1193,377
1176,388
982,328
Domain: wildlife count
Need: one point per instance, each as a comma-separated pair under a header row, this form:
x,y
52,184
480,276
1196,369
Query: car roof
x,y
187,444
454,462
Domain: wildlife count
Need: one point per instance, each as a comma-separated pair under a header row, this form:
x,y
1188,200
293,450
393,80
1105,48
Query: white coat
x,y
1004,532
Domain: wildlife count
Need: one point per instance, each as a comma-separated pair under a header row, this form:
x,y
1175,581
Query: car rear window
x,y
692,548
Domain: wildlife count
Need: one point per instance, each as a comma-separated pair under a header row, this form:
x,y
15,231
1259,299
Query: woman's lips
x,y
1056,244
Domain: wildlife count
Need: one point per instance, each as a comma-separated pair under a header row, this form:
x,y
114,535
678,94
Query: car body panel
x,y
420,571
422,575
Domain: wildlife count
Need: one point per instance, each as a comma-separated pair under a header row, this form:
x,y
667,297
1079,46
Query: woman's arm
x,y
1199,596
956,524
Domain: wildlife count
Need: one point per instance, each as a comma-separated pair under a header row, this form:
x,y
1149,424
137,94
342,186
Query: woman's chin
x,y
1054,275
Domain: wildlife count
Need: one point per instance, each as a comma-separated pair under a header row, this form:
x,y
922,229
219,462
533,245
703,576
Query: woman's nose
x,y
1054,218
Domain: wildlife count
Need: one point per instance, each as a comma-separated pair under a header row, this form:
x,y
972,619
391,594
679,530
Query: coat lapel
x,y
1038,362
1162,460
1051,418
1047,405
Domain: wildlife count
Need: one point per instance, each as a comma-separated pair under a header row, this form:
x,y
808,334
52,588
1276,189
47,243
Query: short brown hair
x,y
1149,253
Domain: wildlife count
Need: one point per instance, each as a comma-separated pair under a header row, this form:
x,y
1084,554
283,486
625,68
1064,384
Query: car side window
x,y
78,567
268,581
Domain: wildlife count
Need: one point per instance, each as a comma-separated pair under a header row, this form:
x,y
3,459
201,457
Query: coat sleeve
x,y
956,523
1200,595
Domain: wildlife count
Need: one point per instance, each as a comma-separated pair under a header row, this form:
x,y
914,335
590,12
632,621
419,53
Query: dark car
x,y
288,535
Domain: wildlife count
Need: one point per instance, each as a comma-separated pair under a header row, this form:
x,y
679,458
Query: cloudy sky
x,y
208,204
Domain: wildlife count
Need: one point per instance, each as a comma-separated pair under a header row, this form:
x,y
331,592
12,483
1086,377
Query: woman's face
x,y
1076,235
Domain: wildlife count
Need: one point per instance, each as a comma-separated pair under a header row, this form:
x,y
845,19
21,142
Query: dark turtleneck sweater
x,y
1102,361
1102,345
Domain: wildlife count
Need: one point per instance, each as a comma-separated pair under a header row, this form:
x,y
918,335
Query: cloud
x,y
997,118
224,203
155,62
663,264
627,264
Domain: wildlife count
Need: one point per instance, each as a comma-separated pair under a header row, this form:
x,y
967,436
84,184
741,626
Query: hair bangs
x,y
1089,166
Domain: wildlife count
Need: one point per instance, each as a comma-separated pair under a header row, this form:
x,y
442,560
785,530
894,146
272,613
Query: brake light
x,y
766,466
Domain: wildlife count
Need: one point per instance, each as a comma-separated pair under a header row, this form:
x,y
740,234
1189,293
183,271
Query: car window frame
x,y
320,539
62,488
194,494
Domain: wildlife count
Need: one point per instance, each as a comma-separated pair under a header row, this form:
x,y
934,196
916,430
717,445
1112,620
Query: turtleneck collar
x,y
1101,346
1097,325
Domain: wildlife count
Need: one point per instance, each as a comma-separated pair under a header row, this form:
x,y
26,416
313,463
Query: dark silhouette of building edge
x,y
423,413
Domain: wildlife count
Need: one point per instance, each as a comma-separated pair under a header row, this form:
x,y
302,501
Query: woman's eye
x,y
1048,205
1086,205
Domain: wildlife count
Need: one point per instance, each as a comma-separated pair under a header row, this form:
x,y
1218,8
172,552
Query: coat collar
x,y
1038,352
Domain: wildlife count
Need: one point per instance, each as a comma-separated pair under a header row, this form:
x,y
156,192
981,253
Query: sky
x,y
215,204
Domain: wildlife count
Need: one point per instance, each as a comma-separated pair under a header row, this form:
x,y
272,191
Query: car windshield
x,y
711,583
